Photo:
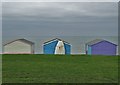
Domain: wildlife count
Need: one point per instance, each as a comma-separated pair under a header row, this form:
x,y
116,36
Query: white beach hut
x,y
19,46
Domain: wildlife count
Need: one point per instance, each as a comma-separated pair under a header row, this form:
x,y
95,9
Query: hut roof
x,y
54,40
97,41
22,40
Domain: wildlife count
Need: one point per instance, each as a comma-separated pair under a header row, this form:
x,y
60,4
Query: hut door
x,y
59,49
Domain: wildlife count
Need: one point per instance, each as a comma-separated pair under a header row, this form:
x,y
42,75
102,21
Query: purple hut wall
x,y
104,48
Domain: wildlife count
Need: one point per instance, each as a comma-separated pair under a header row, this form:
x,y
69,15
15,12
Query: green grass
x,y
59,69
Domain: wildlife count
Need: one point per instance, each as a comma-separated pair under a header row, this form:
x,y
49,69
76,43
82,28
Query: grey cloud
x,y
68,19
61,9
60,12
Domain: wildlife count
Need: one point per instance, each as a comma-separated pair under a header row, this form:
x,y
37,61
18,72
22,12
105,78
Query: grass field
x,y
59,69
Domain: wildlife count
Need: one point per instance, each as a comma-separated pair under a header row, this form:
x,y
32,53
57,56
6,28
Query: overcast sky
x,y
60,18
32,20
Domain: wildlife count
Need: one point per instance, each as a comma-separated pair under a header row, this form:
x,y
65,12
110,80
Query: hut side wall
x,y
89,50
50,47
67,48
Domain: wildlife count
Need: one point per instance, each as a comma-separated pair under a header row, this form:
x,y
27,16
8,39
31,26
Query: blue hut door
x,y
59,49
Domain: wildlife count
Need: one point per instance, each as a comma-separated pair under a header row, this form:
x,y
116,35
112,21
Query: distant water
x,y
77,42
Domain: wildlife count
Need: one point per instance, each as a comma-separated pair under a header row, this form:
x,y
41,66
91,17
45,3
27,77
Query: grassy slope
x,y
60,69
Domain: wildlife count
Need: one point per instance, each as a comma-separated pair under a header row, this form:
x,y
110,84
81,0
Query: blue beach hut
x,y
56,46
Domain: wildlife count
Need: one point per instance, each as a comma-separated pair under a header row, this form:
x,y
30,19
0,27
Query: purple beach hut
x,y
100,47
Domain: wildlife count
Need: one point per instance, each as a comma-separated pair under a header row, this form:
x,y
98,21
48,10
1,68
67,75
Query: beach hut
x,y
101,47
19,46
56,46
